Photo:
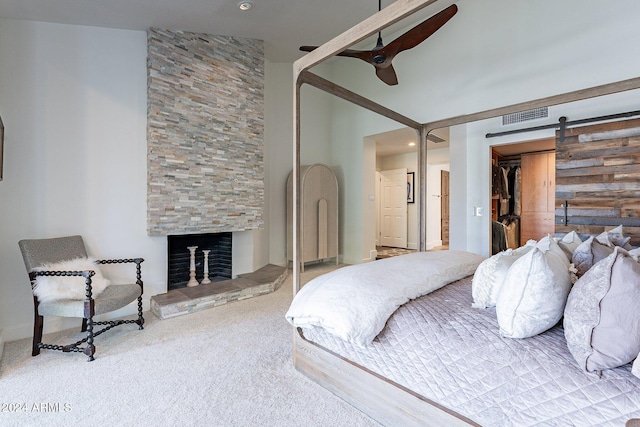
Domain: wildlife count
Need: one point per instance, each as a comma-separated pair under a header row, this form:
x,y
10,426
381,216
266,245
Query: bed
x,y
344,368
440,361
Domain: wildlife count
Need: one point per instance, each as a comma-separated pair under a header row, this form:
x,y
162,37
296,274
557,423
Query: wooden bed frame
x,y
378,397
383,400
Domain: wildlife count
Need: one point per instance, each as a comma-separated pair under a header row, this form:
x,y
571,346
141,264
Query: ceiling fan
x,y
381,56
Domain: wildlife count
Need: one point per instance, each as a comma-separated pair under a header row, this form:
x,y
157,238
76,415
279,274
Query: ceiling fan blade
x,y
420,32
365,55
387,75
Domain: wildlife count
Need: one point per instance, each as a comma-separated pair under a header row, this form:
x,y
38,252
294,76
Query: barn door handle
x,y
565,205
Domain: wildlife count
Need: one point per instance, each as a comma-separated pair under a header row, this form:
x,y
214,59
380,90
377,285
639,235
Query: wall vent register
x,y
523,116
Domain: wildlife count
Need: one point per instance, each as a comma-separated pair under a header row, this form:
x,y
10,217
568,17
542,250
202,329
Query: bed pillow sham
x,y
588,253
354,303
635,369
616,237
601,319
569,243
534,292
54,288
490,275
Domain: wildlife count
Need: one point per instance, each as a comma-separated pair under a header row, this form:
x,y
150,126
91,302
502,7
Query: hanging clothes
x,y
517,196
505,197
499,183
511,225
498,237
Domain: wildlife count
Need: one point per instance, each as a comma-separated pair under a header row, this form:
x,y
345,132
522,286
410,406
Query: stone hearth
x,y
189,300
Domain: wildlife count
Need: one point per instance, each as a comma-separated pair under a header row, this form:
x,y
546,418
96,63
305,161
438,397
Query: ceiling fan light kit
x,y
381,56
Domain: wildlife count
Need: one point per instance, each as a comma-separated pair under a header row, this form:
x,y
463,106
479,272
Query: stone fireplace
x,y
205,167
205,133
219,259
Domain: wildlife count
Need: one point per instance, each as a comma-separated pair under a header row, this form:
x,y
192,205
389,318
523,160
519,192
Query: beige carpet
x,y
226,366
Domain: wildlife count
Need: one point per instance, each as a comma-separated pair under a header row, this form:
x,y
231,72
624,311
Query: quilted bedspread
x,y
442,348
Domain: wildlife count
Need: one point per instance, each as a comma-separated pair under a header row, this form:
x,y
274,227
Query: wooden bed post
x,y
422,179
296,182
388,16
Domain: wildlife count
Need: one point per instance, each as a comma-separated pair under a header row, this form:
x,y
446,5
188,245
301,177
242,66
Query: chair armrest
x,y
85,273
120,261
137,261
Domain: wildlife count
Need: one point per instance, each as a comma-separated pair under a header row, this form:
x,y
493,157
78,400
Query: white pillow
x,y
635,253
569,243
534,292
53,288
490,274
635,370
615,236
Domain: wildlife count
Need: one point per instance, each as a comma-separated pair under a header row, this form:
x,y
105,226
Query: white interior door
x,y
393,227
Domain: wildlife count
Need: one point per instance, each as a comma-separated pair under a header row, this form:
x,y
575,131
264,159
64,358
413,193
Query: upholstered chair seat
x,y
112,298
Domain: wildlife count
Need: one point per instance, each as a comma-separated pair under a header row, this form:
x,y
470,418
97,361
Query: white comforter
x,y
355,302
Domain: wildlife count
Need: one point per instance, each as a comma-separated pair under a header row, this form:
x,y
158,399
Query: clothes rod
x,y
563,123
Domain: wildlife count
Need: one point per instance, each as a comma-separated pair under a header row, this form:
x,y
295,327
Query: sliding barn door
x,y
393,227
597,174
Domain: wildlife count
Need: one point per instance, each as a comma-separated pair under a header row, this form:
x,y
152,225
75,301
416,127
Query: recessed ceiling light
x,y
411,144
245,5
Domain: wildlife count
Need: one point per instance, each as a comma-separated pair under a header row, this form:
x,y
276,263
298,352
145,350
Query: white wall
x,y
370,200
73,101
278,155
492,53
315,130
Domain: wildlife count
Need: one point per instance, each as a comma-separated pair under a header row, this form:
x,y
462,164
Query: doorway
x,y
523,193
444,208
396,150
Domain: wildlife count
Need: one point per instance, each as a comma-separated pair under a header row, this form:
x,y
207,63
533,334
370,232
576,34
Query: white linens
x,y
355,302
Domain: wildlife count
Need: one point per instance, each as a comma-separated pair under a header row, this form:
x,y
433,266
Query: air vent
x,y
434,138
523,116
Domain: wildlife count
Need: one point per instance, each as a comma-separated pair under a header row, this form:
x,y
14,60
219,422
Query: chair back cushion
x,y
36,252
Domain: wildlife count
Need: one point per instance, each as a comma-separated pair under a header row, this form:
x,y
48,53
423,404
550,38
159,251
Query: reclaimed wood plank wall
x,y
598,179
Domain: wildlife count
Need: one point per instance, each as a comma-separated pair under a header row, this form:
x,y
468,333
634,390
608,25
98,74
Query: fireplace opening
x,y
179,257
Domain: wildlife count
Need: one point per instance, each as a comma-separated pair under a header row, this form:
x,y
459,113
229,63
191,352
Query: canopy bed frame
x,y
384,400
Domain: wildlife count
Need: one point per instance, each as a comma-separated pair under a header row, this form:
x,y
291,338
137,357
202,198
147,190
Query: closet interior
x,y
523,193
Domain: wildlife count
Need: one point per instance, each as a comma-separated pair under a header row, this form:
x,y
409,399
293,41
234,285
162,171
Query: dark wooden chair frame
x,y
89,311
